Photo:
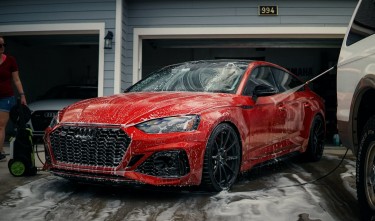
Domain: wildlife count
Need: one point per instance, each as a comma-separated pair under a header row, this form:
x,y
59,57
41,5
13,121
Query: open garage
x,y
46,61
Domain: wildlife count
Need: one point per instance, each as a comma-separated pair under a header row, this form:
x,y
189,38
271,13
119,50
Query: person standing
x,y
8,74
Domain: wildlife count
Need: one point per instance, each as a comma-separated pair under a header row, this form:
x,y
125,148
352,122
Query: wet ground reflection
x,y
272,192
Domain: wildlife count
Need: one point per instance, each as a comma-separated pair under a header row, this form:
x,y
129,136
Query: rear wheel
x,y
315,146
222,159
365,171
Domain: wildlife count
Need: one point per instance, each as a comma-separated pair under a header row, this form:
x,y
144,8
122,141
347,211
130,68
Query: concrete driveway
x,y
283,191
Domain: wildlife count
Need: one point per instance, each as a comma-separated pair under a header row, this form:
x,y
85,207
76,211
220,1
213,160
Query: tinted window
x,y
251,83
363,23
284,80
260,75
264,76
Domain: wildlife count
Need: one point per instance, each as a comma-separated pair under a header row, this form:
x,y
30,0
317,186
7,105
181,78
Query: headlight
x,y
170,124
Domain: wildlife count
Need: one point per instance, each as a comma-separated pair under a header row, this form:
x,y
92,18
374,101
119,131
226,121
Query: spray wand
x,y
328,70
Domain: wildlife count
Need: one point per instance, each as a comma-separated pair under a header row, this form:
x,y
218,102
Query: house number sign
x,y
268,10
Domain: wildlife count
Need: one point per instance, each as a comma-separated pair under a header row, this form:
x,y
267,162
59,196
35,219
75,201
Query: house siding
x,y
57,11
146,13
236,13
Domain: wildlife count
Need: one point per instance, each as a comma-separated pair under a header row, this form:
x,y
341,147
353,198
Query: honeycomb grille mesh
x,y
88,145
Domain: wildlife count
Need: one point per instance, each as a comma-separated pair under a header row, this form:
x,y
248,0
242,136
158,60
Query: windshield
x,y
199,76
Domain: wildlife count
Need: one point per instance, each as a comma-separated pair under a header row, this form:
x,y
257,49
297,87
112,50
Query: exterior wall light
x,y
108,40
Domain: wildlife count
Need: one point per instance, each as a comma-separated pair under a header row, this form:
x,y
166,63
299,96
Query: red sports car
x,y
194,123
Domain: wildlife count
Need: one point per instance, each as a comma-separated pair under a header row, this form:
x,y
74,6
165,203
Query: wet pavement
x,y
289,190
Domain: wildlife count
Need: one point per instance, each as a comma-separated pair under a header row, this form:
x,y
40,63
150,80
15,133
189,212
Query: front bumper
x,y
155,159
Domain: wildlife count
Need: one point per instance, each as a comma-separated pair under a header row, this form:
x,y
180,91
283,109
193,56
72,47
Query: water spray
x,y
321,74
280,97
284,94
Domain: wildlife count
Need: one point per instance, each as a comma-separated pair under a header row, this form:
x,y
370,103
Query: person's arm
x,y
18,83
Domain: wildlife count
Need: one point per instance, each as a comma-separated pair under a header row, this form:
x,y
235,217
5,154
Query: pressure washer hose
x,y
321,74
342,159
37,154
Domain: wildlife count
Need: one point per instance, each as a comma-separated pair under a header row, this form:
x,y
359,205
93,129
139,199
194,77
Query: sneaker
x,y
2,157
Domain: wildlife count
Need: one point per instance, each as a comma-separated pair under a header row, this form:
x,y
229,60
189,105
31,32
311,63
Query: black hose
x,y
37,154
312,181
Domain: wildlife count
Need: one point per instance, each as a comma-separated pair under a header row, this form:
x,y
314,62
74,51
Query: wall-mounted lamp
x,y
108,40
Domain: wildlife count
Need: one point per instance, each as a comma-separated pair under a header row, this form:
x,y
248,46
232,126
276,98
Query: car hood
x,y
131,108
55,104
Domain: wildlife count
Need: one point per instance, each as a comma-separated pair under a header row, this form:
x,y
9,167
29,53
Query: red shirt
x,y
6,69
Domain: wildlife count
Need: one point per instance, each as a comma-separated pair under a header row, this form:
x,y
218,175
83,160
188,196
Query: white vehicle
x,y
356,100
44,109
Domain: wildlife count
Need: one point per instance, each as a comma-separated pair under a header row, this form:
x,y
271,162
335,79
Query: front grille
x,y
89,145
41,119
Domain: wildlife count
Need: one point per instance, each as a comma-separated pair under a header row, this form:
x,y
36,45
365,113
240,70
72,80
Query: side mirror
x,y
263,90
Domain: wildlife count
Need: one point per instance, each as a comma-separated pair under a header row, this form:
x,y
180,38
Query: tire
x,y
315,147
365,173
222,159
17,167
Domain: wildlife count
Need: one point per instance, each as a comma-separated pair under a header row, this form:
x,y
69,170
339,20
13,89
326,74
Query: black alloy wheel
x,y
315,146
365,171
222,159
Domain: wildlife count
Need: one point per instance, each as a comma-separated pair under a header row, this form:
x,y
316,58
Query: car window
x,y
264,76
284,80
363,24
251,83
260,75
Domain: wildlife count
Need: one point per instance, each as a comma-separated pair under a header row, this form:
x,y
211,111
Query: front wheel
x,y
315,146
222,159
365,171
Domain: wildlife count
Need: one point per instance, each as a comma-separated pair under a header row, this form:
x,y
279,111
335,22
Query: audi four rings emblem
x,y
49,114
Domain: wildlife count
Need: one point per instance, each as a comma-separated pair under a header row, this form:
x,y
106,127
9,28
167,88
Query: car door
x,y
291,103
261,117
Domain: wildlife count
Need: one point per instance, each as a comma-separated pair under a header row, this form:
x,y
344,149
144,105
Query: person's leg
x,y
4,117
5,105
